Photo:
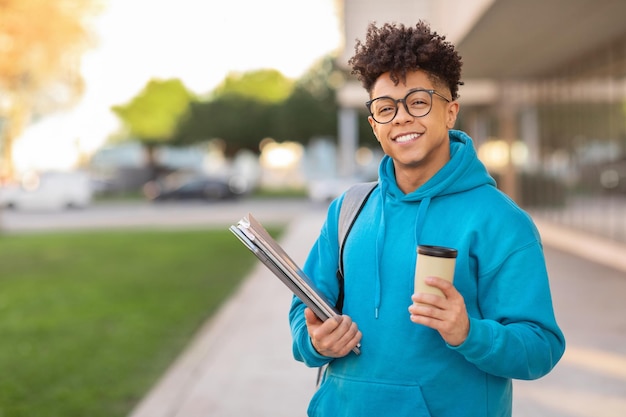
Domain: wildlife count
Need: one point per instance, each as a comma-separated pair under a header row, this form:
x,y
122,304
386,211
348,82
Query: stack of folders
x,y
254,236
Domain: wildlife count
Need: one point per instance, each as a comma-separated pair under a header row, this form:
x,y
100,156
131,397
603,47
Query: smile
x,y
406,138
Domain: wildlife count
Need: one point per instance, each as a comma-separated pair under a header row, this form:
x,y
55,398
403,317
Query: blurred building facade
x,y
544,97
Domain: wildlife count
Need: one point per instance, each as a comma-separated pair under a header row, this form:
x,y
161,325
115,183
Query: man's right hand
x,y
335,337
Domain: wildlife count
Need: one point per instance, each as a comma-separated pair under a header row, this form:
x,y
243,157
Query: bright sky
x,y
198,41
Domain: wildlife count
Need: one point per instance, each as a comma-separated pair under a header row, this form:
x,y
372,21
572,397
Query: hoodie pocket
x,y
341,397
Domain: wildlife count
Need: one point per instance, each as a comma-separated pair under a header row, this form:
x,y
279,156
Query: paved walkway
x,y
240,363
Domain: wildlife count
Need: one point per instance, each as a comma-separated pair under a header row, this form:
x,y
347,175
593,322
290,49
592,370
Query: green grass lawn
x,y
89,321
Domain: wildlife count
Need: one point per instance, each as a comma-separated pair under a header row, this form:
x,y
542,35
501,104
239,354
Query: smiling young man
x,y
424,355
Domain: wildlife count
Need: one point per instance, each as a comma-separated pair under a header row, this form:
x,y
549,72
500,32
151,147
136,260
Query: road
x,y
142,214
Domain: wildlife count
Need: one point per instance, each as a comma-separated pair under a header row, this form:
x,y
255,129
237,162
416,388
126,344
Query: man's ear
x,y
453,112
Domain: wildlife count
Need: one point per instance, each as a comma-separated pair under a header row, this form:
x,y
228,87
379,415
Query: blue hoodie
x,y
406,369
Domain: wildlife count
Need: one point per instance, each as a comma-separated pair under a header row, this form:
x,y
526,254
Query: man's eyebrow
x,y
406,92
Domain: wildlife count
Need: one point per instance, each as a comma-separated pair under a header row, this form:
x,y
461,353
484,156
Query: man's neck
x,y
410,179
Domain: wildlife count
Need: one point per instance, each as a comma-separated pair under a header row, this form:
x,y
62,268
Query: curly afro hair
x,y
398,49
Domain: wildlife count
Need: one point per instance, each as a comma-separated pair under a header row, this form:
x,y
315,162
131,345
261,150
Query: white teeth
x,y
407,138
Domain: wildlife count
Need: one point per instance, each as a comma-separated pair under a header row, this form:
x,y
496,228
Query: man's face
x,y
419,146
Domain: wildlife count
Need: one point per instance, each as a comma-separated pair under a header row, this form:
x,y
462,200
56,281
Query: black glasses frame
x,y
403,101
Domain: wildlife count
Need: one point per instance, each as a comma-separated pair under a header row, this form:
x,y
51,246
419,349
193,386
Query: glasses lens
x,y
383,109
418,103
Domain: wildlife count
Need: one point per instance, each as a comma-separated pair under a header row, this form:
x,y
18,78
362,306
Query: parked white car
x,y
48,191
326,190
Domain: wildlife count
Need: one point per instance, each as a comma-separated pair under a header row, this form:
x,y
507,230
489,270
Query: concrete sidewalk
x,y
240,363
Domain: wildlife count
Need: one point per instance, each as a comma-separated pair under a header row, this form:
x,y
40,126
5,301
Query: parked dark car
x,y
196,188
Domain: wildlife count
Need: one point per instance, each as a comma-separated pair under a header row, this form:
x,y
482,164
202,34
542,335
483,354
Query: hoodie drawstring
x,y
380,237
419,221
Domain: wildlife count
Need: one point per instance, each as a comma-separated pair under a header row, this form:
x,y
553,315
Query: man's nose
x,y
403,114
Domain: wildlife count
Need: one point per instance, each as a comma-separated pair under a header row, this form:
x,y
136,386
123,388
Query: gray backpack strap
x,y
351,206
353,202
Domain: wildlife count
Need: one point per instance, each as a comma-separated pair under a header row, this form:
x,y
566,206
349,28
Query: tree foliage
x,y
241,122
311,110
243,110
41,43
240,113
265,86
152,115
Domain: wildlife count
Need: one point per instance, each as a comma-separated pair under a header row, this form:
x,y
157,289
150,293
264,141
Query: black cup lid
x,y
439,251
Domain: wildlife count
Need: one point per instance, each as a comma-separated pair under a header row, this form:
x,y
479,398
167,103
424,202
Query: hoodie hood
x,y
462,172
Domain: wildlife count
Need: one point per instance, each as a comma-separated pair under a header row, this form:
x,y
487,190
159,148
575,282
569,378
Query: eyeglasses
x,y
417,103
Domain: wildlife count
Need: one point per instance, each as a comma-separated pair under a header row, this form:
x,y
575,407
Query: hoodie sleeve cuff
x,y
479,342
310,356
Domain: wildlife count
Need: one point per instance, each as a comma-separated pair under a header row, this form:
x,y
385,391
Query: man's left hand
x,y
447,314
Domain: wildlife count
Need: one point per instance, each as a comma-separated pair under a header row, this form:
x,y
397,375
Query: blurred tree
x,y
239,110
265,86
311,110
246,108
41,43
153,115
241,122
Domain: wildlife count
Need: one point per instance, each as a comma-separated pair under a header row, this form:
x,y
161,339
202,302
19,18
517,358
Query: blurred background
x,y
108,108
145,97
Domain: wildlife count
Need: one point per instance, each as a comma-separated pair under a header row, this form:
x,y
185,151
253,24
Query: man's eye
x,y
418,103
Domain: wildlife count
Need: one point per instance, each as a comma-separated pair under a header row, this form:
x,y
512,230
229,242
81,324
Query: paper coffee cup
x,y
433,261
